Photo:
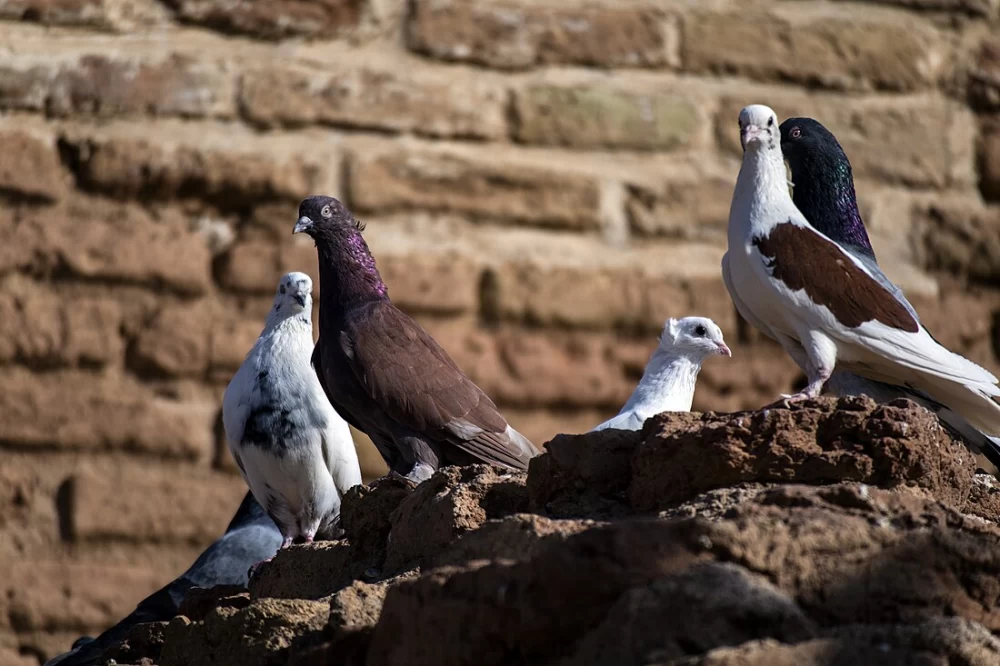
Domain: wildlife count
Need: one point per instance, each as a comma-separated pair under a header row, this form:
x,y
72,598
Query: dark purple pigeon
x,y
385,374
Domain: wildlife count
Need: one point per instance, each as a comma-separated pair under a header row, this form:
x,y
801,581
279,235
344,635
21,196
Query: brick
x,y
63,594
984,8
864,51
232,337
272,19
690,210
233,179
962,239
43,328
989,160
75,410
984,76
601,116
162,503
363,97
119,85
55,12
251,268
176,343
124,246
551,296
482,188
522,368
436,284
911,141
30,167
507,35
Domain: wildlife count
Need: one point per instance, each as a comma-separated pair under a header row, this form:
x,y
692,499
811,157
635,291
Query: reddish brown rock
x,y
481,188
366,516
984,76
822,441
860,52
375,98
176,344
199,601
30,167
445,284
272,19
311,571
512,35
454,501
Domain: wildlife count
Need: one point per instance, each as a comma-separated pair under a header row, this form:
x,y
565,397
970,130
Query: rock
x,y
199,601
583,475
961,641
30,167
310,571
455,500
819,652
513,35
605,117
706,606
445,284
261,633
143,640
366,516
823,441
984,76
176,344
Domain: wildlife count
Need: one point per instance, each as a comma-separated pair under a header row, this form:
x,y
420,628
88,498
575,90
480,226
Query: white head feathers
x,y
694,337
294,295
759,129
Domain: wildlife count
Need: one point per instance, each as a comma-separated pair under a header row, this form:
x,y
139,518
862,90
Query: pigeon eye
x,y
700,331
326,211
770,121
795,133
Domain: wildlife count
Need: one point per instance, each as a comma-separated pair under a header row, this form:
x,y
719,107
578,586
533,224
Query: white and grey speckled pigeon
x,y
668,382
294,451
821,303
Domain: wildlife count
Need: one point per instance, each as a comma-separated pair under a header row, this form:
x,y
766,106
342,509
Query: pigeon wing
x,y
416,383
861,312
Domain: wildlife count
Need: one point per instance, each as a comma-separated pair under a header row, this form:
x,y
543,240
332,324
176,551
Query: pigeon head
x,y
294,294
823,187
759,128
696,337
324,217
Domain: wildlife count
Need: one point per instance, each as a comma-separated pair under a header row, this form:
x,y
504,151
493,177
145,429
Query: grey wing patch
x,y
239,463
509,448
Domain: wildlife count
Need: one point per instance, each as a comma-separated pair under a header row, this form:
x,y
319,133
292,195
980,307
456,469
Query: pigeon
x,y
824,306
823,192
250,537
667,383
294,451
385,374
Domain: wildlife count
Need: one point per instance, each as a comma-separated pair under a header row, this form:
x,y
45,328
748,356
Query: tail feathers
x,y
522,442
972,404
988,447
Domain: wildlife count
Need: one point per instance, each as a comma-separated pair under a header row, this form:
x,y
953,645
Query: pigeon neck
x,y
667,385
280,313
824,192
761,192
347,271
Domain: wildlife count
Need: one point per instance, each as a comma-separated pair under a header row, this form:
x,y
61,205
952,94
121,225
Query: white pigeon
x,y
667,383
822,304
294,451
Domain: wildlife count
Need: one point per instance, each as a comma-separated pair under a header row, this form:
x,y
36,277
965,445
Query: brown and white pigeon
x,y
385,374
824,305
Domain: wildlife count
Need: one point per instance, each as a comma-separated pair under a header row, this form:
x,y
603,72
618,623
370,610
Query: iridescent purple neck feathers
x,y
347,269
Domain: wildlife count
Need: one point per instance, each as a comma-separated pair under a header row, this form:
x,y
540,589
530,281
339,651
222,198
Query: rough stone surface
x,y
510,35
595,117
29,167
481,188
815,50
375,98
267,19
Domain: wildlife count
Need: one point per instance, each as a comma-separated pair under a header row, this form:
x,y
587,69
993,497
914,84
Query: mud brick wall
x,y
544,182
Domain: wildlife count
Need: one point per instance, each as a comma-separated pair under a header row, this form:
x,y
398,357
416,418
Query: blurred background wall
x,y
543,183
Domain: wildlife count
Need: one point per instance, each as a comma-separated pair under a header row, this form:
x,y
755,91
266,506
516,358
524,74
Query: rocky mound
x,y
832,532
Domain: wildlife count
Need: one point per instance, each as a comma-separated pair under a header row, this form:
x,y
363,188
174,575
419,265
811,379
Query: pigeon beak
x,y
303,226
723,350
750,134
300,298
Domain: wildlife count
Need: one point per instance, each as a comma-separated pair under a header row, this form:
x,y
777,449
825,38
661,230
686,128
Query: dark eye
x,y
326,211
701,331
795,133
770,121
